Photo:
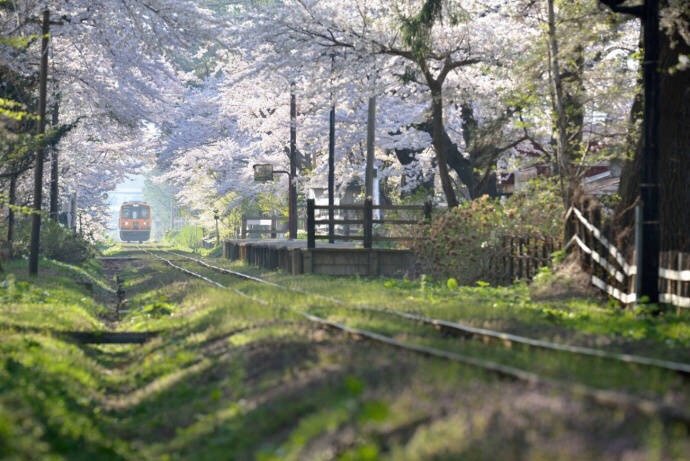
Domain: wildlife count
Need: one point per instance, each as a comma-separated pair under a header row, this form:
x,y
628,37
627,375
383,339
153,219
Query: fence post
x,y
427,211
584,235
679,283
638,250
570,229
506,261
243,231
590,240
511,256
368,223
311,225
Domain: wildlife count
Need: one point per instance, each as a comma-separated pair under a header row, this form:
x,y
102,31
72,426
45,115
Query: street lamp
x,y
216,216
263,172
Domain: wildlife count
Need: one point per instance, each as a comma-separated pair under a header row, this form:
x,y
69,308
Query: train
x,y
135,222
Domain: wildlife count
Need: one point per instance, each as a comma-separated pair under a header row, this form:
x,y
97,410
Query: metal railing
x,y
278,225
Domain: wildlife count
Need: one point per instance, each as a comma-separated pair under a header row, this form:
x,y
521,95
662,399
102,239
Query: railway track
x,y
603,397
467,330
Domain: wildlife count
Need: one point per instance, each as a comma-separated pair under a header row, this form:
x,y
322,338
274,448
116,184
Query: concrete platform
x,y
342,258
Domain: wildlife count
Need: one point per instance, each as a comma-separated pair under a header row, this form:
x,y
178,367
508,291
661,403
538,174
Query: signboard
x,y
263,172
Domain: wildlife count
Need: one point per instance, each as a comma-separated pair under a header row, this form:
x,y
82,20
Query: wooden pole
x,y
648,270
679,283
638,248
428,208
331,175
368,223
292,188
331,163
311,225
54,181
38,170
371,133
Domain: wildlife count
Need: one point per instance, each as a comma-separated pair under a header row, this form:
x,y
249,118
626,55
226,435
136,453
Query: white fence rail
x,y
611,272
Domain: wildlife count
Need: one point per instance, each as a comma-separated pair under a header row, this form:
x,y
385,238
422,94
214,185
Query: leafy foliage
x,y
57,242
466,242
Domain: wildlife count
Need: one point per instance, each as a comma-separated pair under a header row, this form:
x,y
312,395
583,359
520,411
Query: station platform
x,y
341,258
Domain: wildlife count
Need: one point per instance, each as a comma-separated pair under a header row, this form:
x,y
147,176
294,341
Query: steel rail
x,y
602,397
676,367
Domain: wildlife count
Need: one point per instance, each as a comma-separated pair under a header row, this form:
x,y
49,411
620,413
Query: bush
x,y
56,242
60,243
468,243
188,237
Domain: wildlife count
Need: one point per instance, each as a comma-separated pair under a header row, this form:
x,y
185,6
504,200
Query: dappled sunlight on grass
x,y
227,377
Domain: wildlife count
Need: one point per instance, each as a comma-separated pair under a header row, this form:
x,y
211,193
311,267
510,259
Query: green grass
x,y
592,322
227,378
432,300
59,301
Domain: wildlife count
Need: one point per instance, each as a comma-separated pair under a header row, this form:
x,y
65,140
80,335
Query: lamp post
x,y
216,216
263,172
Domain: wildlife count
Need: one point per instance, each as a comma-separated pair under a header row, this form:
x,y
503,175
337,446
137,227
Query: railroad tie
x,y
111,337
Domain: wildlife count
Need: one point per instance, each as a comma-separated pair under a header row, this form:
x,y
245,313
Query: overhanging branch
x,y
619,6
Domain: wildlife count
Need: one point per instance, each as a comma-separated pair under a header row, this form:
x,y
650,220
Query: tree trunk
x,y
674,148
440,140
674,157
485,183
10,215
567,90
447,153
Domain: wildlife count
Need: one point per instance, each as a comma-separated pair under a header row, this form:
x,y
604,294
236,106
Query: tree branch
x,y
449,65
617,6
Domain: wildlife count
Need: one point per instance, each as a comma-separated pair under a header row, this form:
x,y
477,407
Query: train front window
x,y
135,212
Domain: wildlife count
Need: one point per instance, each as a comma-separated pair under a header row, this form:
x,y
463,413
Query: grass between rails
x,y
231,379
601,373
590,322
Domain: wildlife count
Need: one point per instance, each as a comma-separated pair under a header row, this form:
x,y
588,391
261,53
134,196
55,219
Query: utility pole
x,y
54,194
648,270
331,165
292,187
331,174
38,170
371,133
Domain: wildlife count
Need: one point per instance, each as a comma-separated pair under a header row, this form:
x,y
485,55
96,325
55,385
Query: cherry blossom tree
x,y
115,67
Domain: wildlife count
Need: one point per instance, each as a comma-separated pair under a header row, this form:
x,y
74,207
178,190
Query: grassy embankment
x,y
228,378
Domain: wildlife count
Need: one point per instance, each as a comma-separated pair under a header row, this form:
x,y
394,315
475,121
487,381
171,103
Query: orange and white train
x,y
135,222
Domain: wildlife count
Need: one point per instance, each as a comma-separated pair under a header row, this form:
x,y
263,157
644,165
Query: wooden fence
x,y
365,220
522,257
608,267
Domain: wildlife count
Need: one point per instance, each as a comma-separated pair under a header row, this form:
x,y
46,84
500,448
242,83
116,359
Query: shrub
x,y
469,242
188,237
56,242
60,243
